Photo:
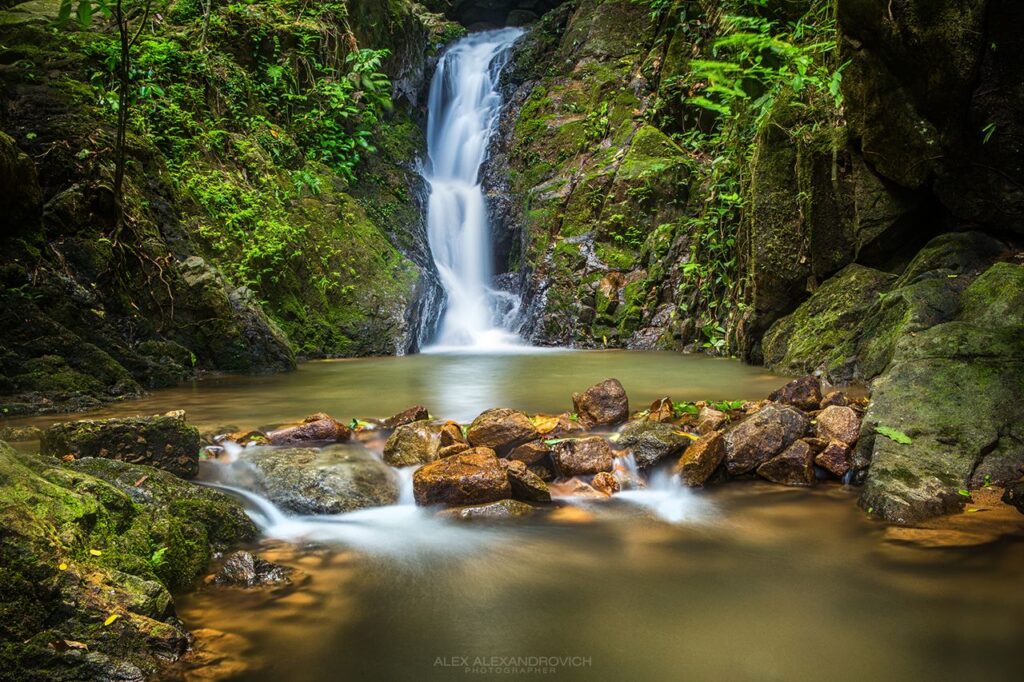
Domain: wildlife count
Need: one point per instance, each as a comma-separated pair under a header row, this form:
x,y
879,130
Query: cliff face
x,y
248,240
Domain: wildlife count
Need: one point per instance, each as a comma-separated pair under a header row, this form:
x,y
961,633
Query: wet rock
x,y
333,480
20,434
838,423
526,485
804,393
575,487
565,426
543,469
761,436
501,429
453,449
163,442
1014,494
316,428
834,458
835,398
652,441
710,419
494,511
661,410
700,459
412,444
605,483
245,569
415,413
816,444
582,457
531,452
472,477
795,466
603,404
451,434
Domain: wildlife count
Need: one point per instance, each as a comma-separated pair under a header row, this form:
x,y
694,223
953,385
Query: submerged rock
x,y
795,466
583,457
501,429
526,485
837,423
412,444
164,442
804,393
761,436
316,428
700,459
604,404
650,442
415,413
471,477
334,480
245,569
494,511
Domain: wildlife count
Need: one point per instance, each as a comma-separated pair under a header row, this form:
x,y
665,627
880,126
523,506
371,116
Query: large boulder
x,y
603,404
583,456
761,436
501,429
650,442
411,444
701,459
333,480
471,477
316,428
165,441
838,423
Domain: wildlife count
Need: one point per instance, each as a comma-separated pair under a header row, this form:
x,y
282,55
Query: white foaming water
x,y
464,107
667,497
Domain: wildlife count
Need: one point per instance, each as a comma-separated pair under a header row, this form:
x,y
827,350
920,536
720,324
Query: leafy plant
x,y
894,435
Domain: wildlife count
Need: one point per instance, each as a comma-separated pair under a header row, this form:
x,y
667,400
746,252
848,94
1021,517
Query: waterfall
x,y
464,108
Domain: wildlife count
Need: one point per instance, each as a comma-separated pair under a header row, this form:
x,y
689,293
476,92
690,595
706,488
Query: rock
x,y
839,423
604,404
1014,494
20,434
709,419
163,442
244,569
413,444
605,483
494,511
834,458
761,436
701,459
336,479
252,437
531,452
526,485
543,469
661,410
804,393
415,413
816,444
583,457
451,434
472,477
453,449
835,398
501,429
565,426
316,428
795,466
652,441
574,487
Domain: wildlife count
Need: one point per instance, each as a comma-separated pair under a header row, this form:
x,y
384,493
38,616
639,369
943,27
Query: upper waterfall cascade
x,y
464,108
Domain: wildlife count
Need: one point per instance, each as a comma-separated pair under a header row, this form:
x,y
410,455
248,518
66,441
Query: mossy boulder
x,y
99,539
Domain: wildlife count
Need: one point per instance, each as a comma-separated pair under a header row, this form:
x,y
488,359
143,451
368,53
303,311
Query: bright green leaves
x,y
894,435
84,11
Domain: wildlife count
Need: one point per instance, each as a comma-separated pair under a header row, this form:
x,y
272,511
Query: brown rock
x,y
804,393
495,511
661,410
453,449
603,404
710,419
526,485
543,469
838,423
795,466
451,433
701,459
412,444
761,436
835,458
316,428
252,437
835,398
606,483
816,444
416,413
501,429
531,452
583,457
574,487
472,477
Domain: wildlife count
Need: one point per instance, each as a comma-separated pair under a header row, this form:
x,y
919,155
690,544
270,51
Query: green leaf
x,y
84,13
64,13
963,492
894,435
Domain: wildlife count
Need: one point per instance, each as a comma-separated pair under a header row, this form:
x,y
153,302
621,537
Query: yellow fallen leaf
x,y
95,552
687,435
63,566
972,510
111,618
